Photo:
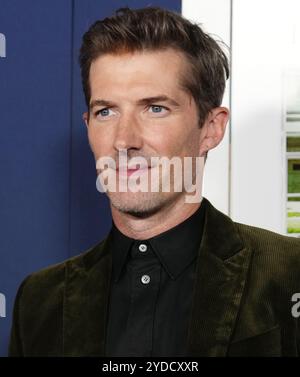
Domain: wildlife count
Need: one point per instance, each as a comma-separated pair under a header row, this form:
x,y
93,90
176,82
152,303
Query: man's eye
x,y
156,109
103,113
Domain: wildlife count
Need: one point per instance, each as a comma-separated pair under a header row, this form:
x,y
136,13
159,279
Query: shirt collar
x,y
175,248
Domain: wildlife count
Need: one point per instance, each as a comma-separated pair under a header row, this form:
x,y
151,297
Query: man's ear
x,y
214,129
85,117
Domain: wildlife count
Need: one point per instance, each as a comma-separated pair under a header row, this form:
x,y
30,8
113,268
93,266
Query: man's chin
x,y
137,204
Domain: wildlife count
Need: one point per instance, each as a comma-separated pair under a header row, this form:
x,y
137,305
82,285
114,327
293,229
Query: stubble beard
x,y
142,204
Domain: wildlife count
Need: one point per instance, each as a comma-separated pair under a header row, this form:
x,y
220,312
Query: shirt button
x,y
143,247
145,279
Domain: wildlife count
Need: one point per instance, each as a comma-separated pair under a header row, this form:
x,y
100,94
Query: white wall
x,y
262,31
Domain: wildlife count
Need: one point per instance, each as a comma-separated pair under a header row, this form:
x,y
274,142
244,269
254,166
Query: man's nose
x,y
128,134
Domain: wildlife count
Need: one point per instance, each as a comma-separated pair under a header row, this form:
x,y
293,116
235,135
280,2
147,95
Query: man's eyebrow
x,y
155,99
100,102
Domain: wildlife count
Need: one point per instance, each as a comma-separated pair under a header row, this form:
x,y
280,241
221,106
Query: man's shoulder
x,y
54,276
263,239
279,252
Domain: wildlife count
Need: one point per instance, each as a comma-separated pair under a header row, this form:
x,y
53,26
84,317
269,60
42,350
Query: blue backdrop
x,y
49,206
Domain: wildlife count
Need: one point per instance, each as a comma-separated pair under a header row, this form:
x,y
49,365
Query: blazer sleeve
x,y
16,348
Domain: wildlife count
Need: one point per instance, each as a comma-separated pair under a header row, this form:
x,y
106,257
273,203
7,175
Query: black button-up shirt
x,y
151,290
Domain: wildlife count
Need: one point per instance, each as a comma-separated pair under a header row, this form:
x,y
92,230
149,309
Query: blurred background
x,y
49,206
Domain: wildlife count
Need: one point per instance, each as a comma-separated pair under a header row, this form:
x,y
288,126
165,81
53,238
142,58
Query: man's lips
x,y
123,171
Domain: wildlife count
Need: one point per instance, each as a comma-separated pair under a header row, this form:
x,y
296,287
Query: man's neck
x,y
159,222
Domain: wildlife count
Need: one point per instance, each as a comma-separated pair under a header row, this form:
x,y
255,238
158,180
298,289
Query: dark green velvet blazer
x,y
245,280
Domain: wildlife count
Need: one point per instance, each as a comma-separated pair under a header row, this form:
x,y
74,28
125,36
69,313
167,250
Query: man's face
x,y
138,105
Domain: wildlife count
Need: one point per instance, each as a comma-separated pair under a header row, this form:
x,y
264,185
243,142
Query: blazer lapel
x,y
222,265
86,302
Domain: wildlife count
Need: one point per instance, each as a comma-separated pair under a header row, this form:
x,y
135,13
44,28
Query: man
x,y
174,277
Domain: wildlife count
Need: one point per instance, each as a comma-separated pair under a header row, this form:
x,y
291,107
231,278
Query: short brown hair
x,y
156,29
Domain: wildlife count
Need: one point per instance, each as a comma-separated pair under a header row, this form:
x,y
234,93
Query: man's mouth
x,y
125,171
